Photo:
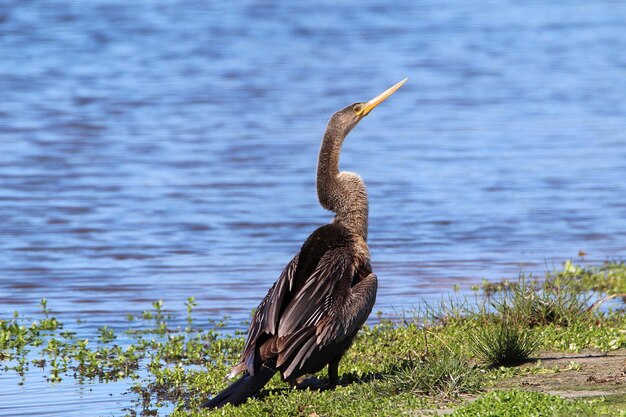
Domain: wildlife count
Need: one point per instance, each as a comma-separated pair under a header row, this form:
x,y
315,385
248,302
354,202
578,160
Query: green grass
x,y
503,342
536,304
515,403
444,374
609,278
394,368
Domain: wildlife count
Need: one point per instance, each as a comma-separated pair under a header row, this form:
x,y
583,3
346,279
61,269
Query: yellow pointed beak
x,y
379,99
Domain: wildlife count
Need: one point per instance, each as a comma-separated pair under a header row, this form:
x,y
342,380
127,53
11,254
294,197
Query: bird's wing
x,y
305,312
269,314
357,307
310,304
266,316
314,308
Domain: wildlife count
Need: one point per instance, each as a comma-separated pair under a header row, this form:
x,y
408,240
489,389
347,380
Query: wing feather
x,y
267,315
290,345
284,284
304,352
337,323
334,265
358,306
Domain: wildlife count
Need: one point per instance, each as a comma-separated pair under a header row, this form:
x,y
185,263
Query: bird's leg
x,y
333,373
296,382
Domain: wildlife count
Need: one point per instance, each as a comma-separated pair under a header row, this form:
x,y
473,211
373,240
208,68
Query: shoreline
x,y
424,364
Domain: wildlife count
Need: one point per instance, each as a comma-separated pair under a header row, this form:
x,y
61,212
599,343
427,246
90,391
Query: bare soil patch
x,y
576,375
584,374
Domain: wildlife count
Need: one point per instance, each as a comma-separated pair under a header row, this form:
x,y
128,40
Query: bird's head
x,y
348,117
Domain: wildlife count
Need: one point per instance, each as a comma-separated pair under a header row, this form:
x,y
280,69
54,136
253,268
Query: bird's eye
x,y
357,108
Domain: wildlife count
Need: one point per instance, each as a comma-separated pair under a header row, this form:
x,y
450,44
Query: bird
x,y
312,313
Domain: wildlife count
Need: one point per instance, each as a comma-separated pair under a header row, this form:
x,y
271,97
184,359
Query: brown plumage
x,y
310,316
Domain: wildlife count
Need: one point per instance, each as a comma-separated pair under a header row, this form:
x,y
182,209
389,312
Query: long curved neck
x,y
343,193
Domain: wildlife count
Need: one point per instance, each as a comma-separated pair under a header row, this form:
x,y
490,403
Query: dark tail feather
x,y
242,389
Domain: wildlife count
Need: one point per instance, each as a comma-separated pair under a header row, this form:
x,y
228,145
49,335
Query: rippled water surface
x,y
167,149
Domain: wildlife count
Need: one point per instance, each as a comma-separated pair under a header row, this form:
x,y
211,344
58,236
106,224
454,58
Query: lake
x,y
162,150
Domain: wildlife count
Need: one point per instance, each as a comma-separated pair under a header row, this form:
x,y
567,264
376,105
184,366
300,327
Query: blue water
x,y
167,149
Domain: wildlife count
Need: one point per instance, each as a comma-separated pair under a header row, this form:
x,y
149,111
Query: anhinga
x,y
311,314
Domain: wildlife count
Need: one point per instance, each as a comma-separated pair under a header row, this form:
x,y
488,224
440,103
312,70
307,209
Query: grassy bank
x,y
528,347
